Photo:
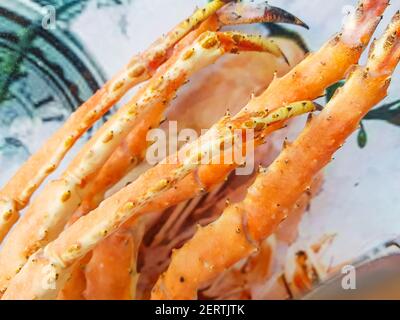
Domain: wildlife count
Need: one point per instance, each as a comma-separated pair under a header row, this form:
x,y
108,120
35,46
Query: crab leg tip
x,y
236,13
302,24
280,15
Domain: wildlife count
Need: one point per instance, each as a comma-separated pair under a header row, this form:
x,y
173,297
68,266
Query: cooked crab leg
x,y
16,194
59,199
131,152
324,62
244,225
75,285
236,282
346,52
305,81
208,176
123,154
309,79
328,65
288,230
245,276
84,234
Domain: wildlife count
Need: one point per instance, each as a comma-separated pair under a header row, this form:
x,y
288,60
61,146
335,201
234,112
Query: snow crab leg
x,y
243,226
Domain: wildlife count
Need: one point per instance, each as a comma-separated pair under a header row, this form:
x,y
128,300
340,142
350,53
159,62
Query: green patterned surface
x,y
46,73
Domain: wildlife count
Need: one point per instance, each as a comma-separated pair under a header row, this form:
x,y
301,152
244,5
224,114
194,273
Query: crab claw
x,y
235,13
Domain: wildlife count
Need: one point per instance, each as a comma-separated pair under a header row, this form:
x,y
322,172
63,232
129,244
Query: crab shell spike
x,y
234,41
236,13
